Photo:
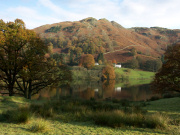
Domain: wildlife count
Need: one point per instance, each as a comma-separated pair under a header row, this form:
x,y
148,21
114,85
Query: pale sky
x,y
128,13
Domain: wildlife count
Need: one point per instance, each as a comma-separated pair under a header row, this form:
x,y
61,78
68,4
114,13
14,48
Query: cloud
x,y
61,12
128,13
50,5
30,16
151,13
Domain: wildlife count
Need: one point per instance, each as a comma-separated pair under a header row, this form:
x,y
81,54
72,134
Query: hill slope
x,y
93,36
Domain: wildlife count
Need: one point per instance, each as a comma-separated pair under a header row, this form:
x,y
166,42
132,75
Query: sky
x,y
128,13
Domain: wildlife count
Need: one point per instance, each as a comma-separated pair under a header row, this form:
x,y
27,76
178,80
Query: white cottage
x,y
118,89
118,65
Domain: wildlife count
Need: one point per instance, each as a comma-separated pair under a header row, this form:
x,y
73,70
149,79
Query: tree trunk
x,y
25,92
10,89
30,89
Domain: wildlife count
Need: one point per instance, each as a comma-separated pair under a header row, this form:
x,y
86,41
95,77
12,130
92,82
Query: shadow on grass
x,y
7,102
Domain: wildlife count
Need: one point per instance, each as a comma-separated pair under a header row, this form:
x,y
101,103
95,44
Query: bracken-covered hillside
x,y
93,36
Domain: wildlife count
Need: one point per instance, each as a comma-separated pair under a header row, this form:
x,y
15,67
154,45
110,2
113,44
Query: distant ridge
x,y
91,34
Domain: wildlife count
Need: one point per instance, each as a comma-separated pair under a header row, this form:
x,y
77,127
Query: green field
x,y
63,123
127,73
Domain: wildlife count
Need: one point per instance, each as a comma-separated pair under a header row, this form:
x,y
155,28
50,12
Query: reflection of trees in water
x,y
98,90
87,94
83,89
84,85
136,93
108,88
146,92
48,93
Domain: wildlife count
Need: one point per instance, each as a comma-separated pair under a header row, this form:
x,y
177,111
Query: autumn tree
x,y
16,42
101,49
24,68
87,61
50,48
78,51
168,78
60,42
99,62
36,76
100,57
108,73
114,61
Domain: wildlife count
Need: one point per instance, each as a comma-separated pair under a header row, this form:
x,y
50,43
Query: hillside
x,y
93,36
162,36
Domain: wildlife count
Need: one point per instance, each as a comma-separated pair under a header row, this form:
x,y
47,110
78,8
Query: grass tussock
x,y
42,110
20,115
40,126
120,119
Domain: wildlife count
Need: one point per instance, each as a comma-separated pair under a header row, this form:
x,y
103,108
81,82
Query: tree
x,y
158,65
78,51
101,49
24,69
18,47
168,77
133,51
114,61
59,58
100,62
133,63
108,73
141,62
87,61
100,57
50,48
153,65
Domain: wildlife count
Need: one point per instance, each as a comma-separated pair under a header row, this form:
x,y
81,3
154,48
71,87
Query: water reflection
x,y
99,90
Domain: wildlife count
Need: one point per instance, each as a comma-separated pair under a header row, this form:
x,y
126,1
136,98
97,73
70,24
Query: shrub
x,y
40,126
119,119
157,120
118,75
154,98
168,95
54,29
20,115
125,102
45,110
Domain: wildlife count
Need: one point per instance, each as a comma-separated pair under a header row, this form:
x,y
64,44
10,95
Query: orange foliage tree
x,y
114,61
87,61
168,77
19,47
108,73
24,68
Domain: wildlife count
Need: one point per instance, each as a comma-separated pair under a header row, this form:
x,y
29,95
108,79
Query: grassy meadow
x,y
127,73
77,116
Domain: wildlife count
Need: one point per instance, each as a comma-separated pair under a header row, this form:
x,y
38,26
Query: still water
x,y
131,90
